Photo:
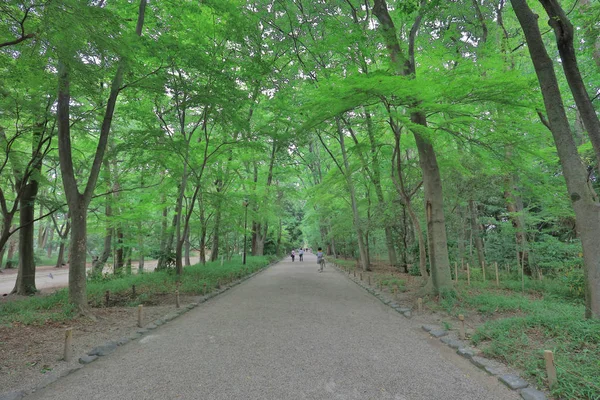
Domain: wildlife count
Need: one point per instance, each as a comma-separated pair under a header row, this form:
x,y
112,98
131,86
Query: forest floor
x,y
29,352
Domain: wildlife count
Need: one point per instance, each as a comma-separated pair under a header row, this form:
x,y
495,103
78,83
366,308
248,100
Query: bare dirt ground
x,y
28,353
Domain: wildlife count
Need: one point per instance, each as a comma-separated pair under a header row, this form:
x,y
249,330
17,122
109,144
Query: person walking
x,y
320,259
300,255
293,255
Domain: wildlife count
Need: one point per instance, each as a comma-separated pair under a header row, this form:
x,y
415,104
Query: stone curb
x,y
492,367
110,346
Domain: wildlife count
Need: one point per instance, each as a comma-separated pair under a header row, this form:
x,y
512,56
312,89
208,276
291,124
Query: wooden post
x,y
461,332
420,304
361,276
204,289
140,316
456,272
369,280
468,275
483,270
355,273
218,284
550,368
497,276
395,292
68,344
107,297
133,290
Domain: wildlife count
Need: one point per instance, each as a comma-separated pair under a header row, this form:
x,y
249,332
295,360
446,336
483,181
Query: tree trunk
x,y
77,256
364,259
61,249
2,253
563,30
476,229
389,240
78,202
11,253
436,225
188,262
49,239
120,251
514,206
214,252
25,284
140,247
98,263
583,198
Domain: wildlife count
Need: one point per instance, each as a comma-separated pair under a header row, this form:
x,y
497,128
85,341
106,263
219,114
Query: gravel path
x,y
288,333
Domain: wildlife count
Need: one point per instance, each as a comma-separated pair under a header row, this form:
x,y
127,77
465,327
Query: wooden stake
x,y
497,276
420,304
68,344
369,280
133,290
140,315
361,276
468,275
355,273
204,289
107,297
550,368
462,334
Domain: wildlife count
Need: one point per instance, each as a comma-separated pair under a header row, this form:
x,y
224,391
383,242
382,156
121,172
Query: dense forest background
x,y
416,132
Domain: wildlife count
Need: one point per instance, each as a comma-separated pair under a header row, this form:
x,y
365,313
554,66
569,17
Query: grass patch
x,y
391,281
149,286
520,326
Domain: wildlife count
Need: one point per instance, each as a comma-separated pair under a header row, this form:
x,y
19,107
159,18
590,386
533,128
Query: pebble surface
x,y
288,333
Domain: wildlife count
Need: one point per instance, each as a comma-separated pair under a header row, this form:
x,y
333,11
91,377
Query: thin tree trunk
x,y
441,278
514,206
11,253
583,198
563,30
78,202
476,229
364,259
188,262
140,247
98,263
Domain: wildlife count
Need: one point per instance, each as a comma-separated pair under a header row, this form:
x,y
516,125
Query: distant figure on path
x,y
293,255
300,255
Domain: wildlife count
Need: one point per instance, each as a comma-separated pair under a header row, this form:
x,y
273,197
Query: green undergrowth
x,y
519,326
149,287
346,264
391,282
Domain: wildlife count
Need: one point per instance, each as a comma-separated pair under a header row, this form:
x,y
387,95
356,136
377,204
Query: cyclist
x,y
320,259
